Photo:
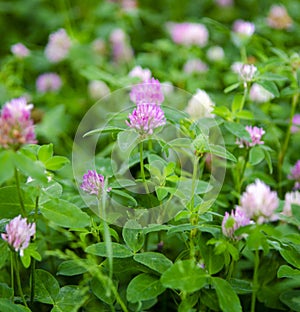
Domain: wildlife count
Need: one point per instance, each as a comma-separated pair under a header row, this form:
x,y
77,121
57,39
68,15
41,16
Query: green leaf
x,y
65,214
5,291
102,291
32,168
46,287
238,130
10,204
123,198
286,271
133,235
236,103
240,286
127,139
291,255
269,86
144,287
106,129
296,211
29,252
72,267
69,299
45,152
256,155
292,299
184,275
221,152
154,260
7,306
228,299
222,111
161,192
118,250
4,252
56,163
244,114
232,87
6,165
272,77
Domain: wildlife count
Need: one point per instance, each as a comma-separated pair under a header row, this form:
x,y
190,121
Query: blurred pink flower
x,y
231,222
243,28
58,46
279,18
259,202
19,50
16,127
48,82
98,89
195,66
149,91
290,198
247,72
215,54
18,234
121,49
259,94
255,135
295,174
296,124
93,183
99,46
143,73
188,34
145,118
224,3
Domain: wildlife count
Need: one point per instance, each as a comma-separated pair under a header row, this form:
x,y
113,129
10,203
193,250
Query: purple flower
x,y
195,66
19,50
149,91
224,3
139,72
295,175
58,46
290,198
93,183
145,118
255,135
16,126
243,28
122,51
231,222
188,34
296,124
48,82
18,234
259,202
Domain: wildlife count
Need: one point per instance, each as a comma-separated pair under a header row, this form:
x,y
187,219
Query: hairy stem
x,y
19,280
23,212
142,168
12,276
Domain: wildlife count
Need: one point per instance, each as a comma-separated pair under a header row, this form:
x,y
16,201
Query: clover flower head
x,y
255,135
145,118
144,74
48,82
290,198
231,222
295,172
188,34
296,124
149,91
121,49
19,50
58,46
279,18
215,54
243,28
259,203
98,89
247,72
93,183
18,234
200,105
16,126
224,3
195,66
259,94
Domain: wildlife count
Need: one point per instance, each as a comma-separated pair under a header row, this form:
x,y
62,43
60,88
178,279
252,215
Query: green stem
x,y
142,168
243,54
194,178
244,97
242,173
12,275
32,273
284,148
23,212
230,270
19,280
255,280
